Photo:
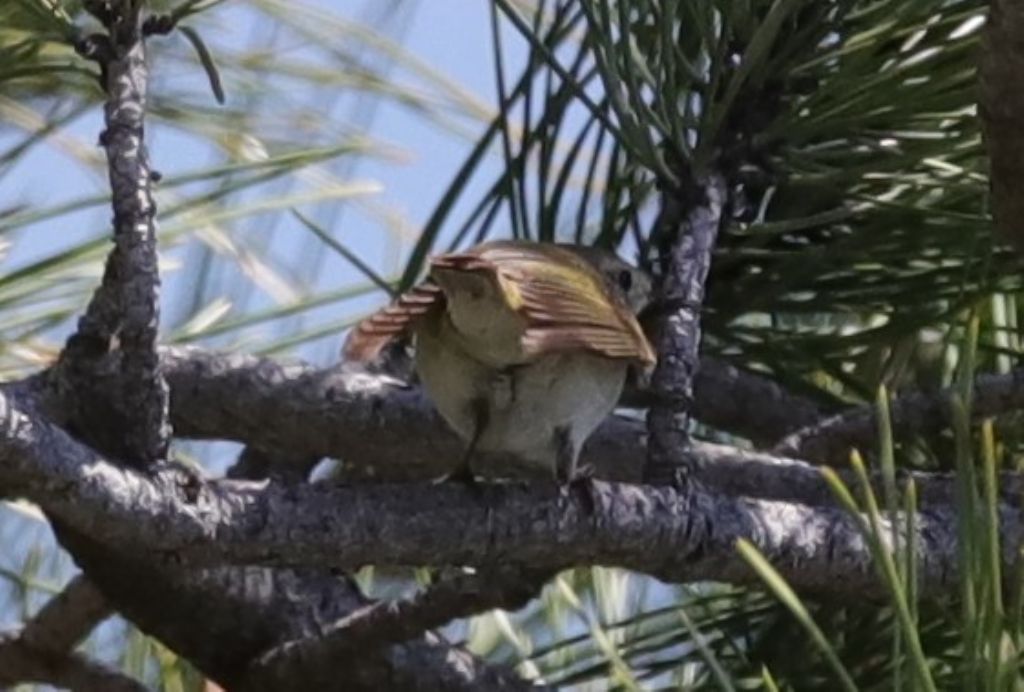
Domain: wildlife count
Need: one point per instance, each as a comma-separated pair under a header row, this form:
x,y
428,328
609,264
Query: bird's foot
x,y
582,484
464,476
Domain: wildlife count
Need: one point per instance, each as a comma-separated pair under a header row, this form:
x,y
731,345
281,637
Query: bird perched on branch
x,y
523,347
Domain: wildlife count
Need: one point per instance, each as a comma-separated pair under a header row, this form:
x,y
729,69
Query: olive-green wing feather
x,y
564,299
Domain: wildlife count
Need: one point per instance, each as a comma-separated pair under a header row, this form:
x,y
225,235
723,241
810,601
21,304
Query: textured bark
x,y
368,419
221,619
830,441
123,314
1002,114
173,518
692,225
388,622
224,617
355,416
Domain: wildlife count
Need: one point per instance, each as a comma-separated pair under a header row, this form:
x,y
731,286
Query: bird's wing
x,y
368,338
564,300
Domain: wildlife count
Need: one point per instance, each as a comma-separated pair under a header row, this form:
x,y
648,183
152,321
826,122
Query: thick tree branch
x,y
747,404
692,225
670,534
383,660
915,413
737,472
123,314
224,617
355,415
389,622
368,419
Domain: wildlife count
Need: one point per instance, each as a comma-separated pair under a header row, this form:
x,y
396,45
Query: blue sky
x,y
452,37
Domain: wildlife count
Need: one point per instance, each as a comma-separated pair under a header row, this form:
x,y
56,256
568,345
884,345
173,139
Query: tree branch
x,y
67,618
112,394
21,663
311,657
915,413
176,518
368,419
39,651
1001,68
749,405
737,472
692,225
123,314
389,622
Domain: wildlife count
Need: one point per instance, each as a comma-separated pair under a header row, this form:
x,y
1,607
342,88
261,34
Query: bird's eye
x,y
625,279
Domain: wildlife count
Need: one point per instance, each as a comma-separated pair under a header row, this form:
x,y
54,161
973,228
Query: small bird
x,y
523,347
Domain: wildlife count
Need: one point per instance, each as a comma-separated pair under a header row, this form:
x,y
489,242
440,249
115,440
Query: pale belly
x,y
532,409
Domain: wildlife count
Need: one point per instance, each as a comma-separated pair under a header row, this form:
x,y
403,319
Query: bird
x,y
523,347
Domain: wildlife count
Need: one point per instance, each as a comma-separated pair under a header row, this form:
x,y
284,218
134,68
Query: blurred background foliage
x,y
858,252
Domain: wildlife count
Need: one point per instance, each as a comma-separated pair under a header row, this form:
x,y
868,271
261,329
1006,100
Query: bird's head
x,y
632,284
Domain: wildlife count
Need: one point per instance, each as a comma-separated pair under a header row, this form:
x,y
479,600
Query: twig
x,y
20,663
39,651
686,263
67,618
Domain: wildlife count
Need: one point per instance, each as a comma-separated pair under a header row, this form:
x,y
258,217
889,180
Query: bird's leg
x,y
567,466
503,388
565,456
569,474
463,473
501,394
